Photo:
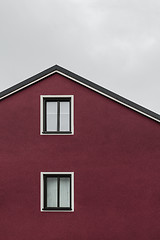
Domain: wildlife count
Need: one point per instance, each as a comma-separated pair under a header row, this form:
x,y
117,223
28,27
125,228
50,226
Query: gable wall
x,y
114,153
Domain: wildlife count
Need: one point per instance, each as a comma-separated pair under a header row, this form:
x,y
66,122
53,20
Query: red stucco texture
x,y
114,153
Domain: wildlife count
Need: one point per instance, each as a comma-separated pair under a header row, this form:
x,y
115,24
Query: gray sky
x,y
114,43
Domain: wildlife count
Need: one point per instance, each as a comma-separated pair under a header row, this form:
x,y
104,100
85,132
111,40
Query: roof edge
x,y
56,68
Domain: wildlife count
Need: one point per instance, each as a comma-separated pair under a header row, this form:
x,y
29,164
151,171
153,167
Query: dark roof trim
x,y
83,81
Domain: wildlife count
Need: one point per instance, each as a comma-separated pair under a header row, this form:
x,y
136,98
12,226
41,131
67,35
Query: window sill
x,y
57,133
57,208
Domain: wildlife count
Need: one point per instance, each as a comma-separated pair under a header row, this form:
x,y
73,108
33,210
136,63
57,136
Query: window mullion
x,y
58,192
58,116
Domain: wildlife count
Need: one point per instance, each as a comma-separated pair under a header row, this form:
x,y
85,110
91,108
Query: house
x,y
77,162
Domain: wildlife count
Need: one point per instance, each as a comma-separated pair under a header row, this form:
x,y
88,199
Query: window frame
x,y
43,177
58,99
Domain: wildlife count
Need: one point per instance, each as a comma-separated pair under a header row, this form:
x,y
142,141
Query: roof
x,y
95,87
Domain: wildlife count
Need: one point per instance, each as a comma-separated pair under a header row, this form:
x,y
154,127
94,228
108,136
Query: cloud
x,y
114,43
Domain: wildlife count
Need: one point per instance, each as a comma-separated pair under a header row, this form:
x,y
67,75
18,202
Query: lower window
x,y
57,191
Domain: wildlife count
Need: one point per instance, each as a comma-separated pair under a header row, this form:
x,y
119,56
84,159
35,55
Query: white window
x,y
57,114
57,191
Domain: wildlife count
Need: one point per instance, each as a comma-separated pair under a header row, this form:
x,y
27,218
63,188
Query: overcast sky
x,y
114,43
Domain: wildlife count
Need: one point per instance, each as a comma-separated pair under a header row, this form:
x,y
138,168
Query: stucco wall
x,y
114,153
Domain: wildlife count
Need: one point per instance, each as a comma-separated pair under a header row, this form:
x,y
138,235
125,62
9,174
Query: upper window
x,y
57,114
57,191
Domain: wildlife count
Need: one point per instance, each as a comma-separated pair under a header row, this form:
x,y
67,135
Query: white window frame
x,y
42,97
42,191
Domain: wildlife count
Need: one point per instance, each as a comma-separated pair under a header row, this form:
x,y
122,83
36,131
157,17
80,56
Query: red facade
x,y
114,154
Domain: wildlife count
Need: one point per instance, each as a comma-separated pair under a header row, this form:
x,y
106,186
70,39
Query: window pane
x,y
51,116
51,192
65,107
65,192
64,116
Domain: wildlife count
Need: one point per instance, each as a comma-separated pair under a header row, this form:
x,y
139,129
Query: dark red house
x,y
78,162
